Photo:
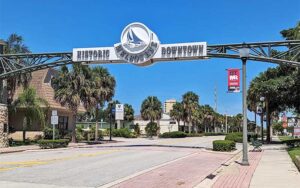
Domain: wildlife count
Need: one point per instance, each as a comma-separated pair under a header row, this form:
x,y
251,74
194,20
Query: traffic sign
x,y
119,112
54,112
54,120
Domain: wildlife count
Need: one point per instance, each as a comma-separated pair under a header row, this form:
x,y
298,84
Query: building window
x,y
63,122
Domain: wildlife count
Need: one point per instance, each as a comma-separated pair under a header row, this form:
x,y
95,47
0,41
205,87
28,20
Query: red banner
x,y
284,121
233,80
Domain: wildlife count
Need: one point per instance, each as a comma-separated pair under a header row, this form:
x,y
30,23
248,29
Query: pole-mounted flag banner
x,y
233,80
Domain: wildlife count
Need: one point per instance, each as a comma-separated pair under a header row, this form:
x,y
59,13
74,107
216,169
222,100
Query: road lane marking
x,y
10,165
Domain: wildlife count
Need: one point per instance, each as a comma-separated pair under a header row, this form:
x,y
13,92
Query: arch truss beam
x,y
279,52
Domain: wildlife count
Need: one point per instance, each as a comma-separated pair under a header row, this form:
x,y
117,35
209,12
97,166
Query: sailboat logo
x,y
133,40
136,38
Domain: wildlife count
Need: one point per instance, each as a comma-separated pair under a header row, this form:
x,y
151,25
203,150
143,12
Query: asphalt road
x,y
91,167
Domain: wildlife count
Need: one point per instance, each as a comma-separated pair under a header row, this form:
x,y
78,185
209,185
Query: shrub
x,y
292,142
174,134
223,145
48,133
194,134
46,144
213,134
137,129
236,137
151,129
124,132
252,135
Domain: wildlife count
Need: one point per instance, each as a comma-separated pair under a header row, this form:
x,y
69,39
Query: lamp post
x,y
244,54
262,100
110,118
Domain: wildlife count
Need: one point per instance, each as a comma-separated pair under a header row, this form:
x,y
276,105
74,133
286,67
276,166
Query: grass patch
x,y
284,138
293,152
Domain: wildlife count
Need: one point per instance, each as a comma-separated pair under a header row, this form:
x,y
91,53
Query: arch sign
x,y
140,46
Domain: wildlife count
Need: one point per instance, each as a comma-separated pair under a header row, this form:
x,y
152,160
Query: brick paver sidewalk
x,y
185,173
238,176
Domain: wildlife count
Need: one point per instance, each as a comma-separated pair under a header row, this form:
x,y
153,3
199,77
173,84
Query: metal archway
x,y
14,64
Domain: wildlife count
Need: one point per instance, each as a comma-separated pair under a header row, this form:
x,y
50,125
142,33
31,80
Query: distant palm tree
x,y
71,88
177,113
207,112
15,45
190,102
151,109
128,113
31,104
102,88
197,118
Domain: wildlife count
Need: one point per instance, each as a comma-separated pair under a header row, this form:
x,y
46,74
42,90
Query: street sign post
x,y
54,121
119,112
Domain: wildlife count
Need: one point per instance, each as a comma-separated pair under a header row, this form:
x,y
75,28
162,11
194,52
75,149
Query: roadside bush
x,y
151,129
194,134
48,133
174,134
292,142
124,132
47,144
252,135
214,134
236,137
223,145
137,129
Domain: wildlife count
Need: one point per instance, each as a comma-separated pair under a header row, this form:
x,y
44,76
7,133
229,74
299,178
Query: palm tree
x,y
190,102
72,88
31,104
102,86
207,112
15,45
196,118
177,113
128,113
151,109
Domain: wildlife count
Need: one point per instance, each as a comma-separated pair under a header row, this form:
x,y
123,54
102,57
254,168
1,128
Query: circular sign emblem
x,y
135,38
138,44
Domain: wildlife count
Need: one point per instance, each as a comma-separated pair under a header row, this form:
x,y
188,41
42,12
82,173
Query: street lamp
x,y
244,54
262,100
110,118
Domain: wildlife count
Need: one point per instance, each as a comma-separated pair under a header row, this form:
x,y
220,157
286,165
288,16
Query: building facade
x,y
168,105
166,124
41,81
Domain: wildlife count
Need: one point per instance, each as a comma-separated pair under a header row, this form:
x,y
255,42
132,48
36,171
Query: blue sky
x,y
59,26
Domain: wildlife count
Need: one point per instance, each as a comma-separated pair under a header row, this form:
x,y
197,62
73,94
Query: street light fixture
x,y
244,55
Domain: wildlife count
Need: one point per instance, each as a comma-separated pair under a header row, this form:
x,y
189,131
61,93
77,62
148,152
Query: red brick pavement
x,y
238,176
187,172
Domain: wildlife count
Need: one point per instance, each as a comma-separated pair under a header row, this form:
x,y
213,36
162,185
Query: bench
x,y
256,145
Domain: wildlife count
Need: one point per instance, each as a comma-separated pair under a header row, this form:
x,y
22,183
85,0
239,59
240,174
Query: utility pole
x,y
216,98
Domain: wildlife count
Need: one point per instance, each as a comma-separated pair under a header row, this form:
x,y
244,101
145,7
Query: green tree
x,y
32,106
128,113
208,116
280,85
196,118
71,88
151,129
177,113
102,86
151,109
190,102
15,45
